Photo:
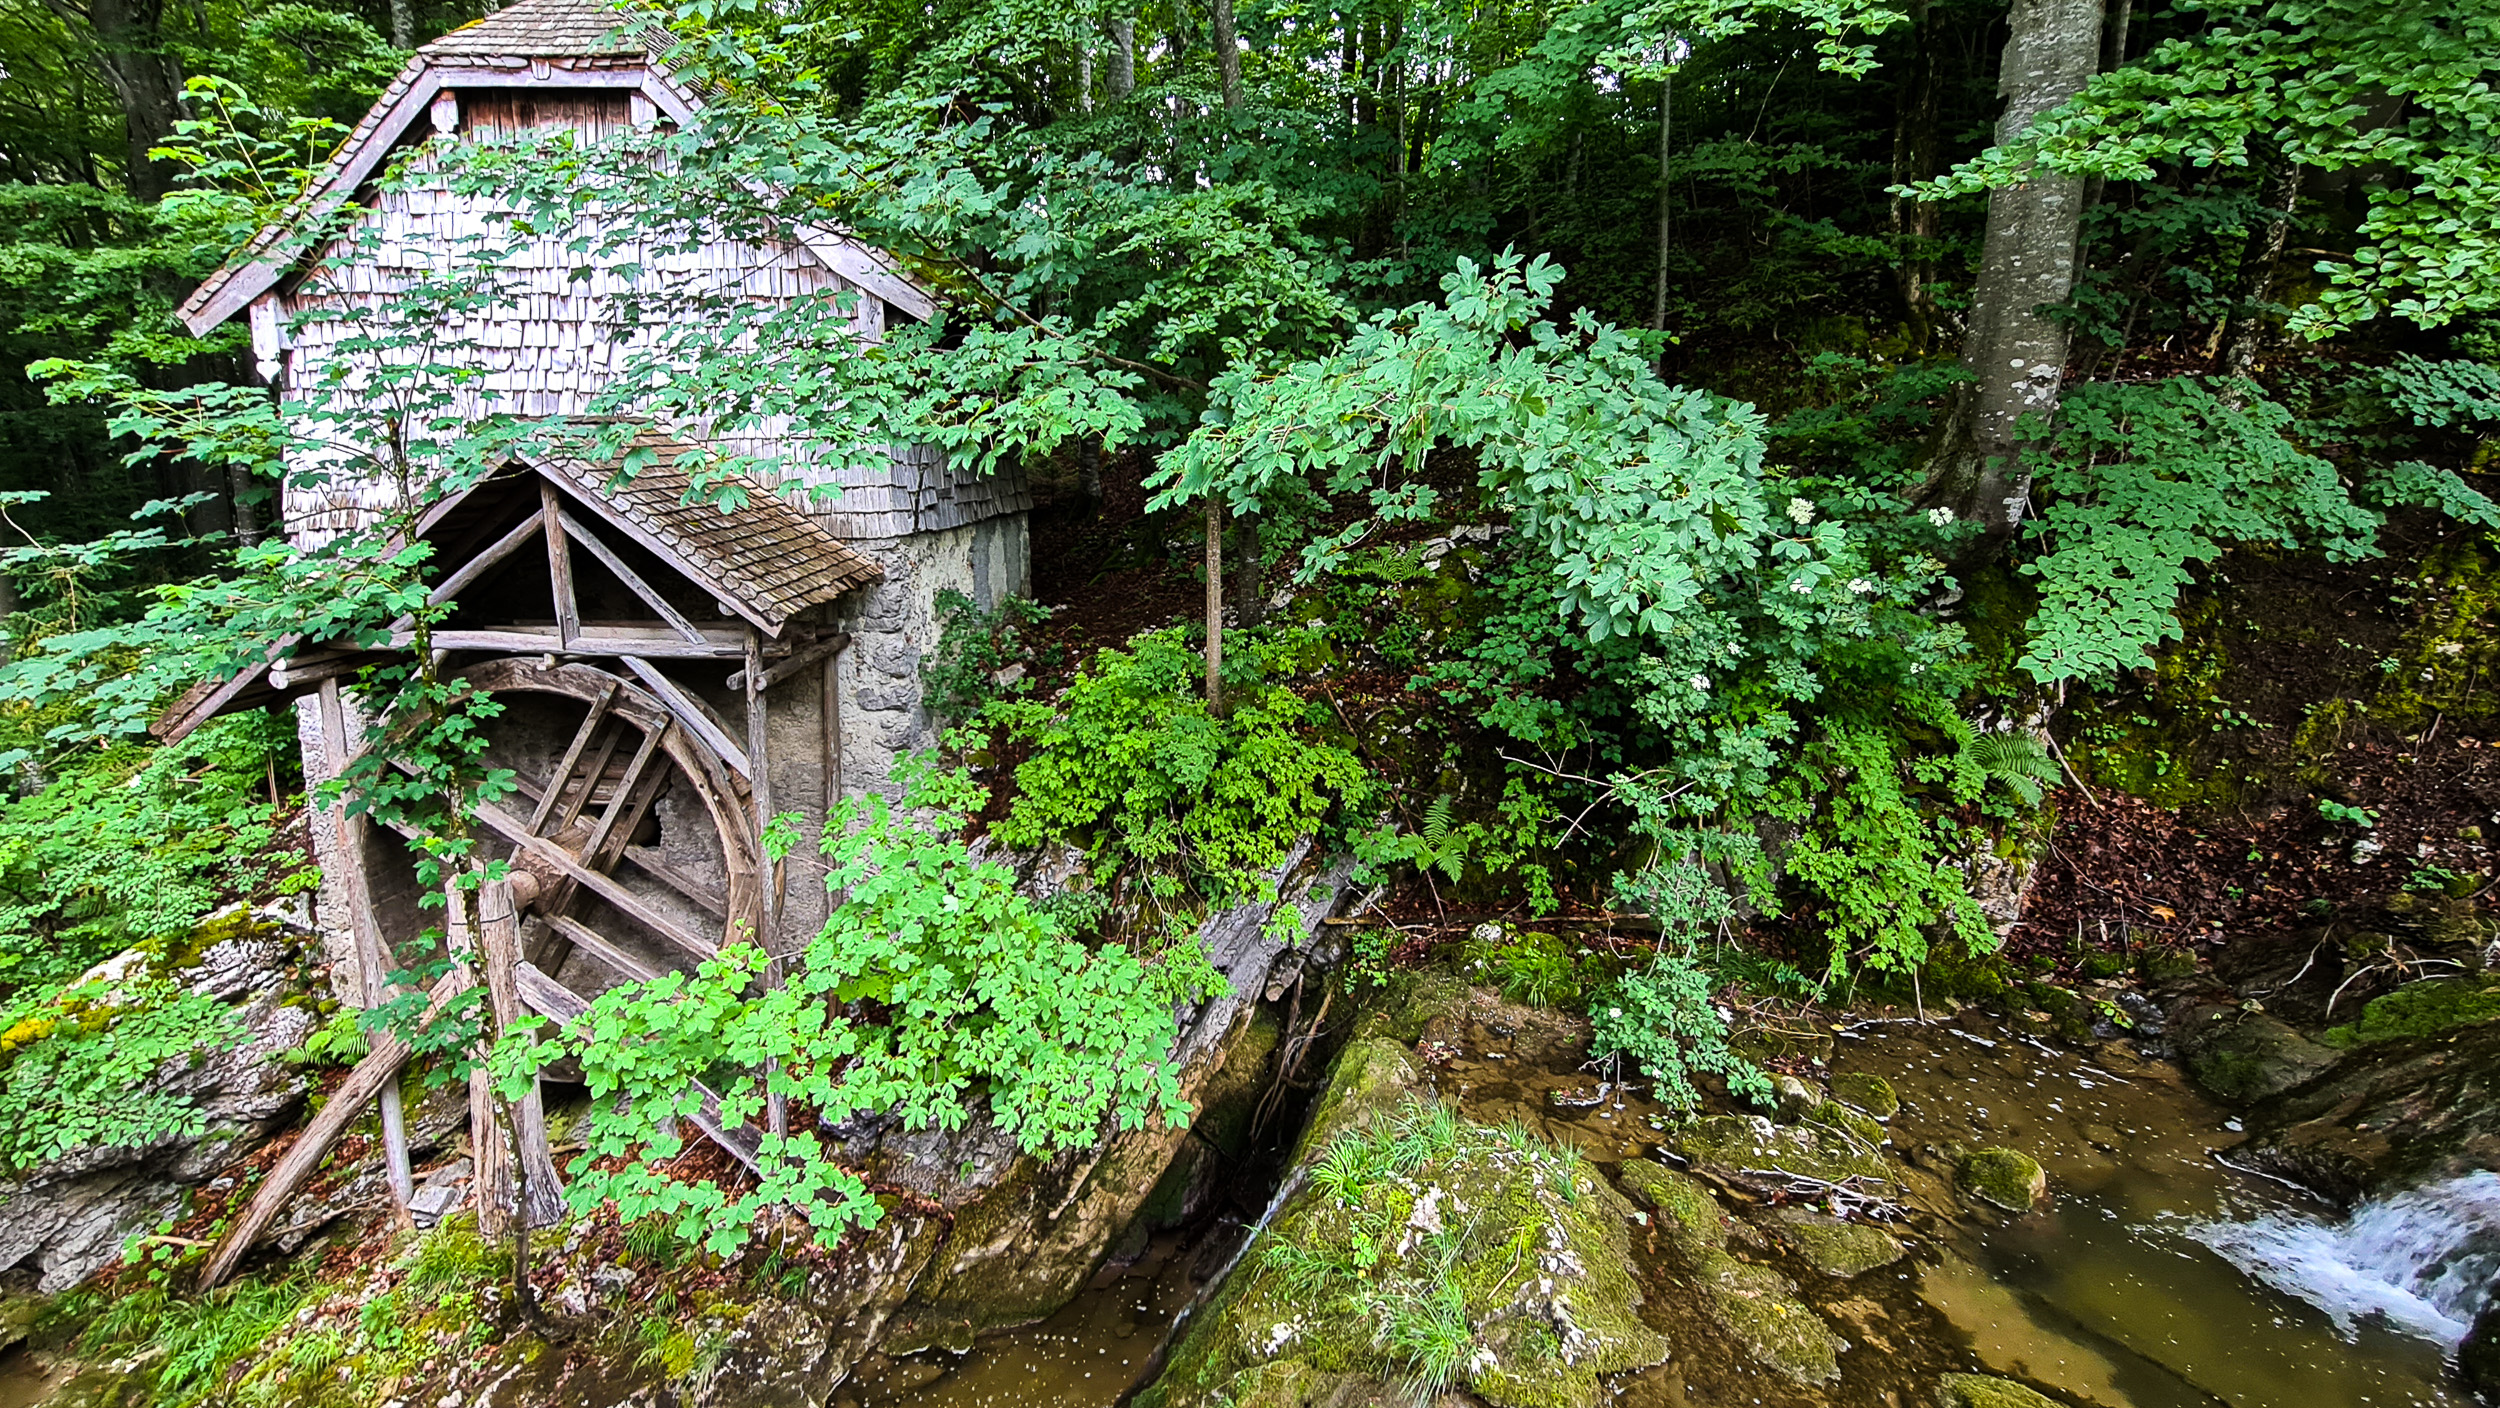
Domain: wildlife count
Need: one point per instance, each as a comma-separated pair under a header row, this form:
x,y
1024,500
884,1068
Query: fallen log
x,y
346,1103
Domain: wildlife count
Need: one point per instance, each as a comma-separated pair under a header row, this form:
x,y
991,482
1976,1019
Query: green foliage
x,y
2250,77
132,844
961,676
1509,846
1539,969
2145,480
1663,1019
933,986
1169,797
2017,761
196,1336
2345,814
81,1061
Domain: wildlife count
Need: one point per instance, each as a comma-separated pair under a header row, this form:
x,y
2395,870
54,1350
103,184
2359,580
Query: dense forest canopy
x,y
1842,382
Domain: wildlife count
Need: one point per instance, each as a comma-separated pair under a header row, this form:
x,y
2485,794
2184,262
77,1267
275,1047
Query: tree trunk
x,y
2258,260
2027,262
403,25
1123,56
1085,75
1914,158
1227,53
146,82
1215,605
1666,133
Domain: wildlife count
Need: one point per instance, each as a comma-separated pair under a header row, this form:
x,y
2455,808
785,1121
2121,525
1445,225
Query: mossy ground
x,y
2420,1010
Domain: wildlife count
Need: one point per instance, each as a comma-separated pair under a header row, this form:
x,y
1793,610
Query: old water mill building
x,y
670,673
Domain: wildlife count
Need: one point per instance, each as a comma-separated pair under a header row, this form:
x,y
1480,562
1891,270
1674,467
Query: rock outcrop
x,y
68,1219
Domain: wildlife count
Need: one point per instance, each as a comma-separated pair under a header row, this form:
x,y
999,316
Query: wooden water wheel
x,y
634,849
633,830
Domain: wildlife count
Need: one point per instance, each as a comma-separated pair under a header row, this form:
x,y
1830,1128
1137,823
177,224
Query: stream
x,y
2158,1277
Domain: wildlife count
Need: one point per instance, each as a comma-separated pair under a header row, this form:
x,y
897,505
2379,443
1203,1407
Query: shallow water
x,y
2117,1291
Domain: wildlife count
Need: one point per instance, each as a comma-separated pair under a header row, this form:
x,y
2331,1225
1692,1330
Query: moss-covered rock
x,y
2419,1010
1834,1247
1869,1093
1688,1214
1831,1114
1986,1391
2240,1057
1431,1253
1757,1151
1373,1076
1758,1307
2003,1178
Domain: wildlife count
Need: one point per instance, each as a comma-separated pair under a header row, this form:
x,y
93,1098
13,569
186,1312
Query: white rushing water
x,y
2423,1261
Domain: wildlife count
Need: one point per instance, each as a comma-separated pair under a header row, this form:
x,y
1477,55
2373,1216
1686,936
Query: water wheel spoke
x,y
548,800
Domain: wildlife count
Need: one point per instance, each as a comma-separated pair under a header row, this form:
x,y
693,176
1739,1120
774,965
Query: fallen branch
x,y
346,1103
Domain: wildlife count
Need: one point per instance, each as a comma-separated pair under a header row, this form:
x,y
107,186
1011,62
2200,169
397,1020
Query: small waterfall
x,y
2424,1260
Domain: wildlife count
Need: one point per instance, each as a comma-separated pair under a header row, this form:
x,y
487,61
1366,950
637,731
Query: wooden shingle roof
x,y
552,29
765,559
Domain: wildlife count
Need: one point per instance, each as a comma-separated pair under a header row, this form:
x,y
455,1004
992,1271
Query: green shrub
x,y
1663,1020
1130,763
961,676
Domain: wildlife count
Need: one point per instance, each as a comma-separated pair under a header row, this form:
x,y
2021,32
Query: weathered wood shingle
x,y
552,29
765,555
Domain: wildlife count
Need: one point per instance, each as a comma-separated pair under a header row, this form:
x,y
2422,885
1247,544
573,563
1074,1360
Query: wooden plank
x,y
563,775
559,563
620,800
805,656
573,804
596,943
633,580
523,640
625,901
539,1197
696,719
372,954
552,999
389,1053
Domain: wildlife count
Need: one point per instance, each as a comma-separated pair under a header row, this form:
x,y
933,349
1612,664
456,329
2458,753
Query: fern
x,y
2018,761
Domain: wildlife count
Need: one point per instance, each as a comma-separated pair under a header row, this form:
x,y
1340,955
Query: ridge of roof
x,y
553,29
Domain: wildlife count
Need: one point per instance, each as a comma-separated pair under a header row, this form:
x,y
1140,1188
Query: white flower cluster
x,y
1860,585
1941,517
1801,586
1702,683
1800,512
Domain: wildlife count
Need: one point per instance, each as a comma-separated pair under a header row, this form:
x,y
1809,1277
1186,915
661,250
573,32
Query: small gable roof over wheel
x,y
544,45
765,563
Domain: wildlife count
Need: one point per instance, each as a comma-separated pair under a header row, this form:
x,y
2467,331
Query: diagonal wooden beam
x,y
590,543
624,901
583,936
559,564
481,564
573,757
346,1103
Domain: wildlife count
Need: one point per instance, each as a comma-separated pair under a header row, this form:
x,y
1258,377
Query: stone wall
x,y
894,626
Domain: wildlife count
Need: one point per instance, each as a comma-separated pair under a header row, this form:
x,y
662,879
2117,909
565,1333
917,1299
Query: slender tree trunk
x,y
1215,605
2258,261
1123,56
1914,158
1085,75
1666,186
403,25
2027,262
1227,53
146,82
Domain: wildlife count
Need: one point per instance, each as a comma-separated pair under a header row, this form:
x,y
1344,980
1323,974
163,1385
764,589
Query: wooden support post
x,y
372,954
776,1105
490,1159
559,565
499,949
